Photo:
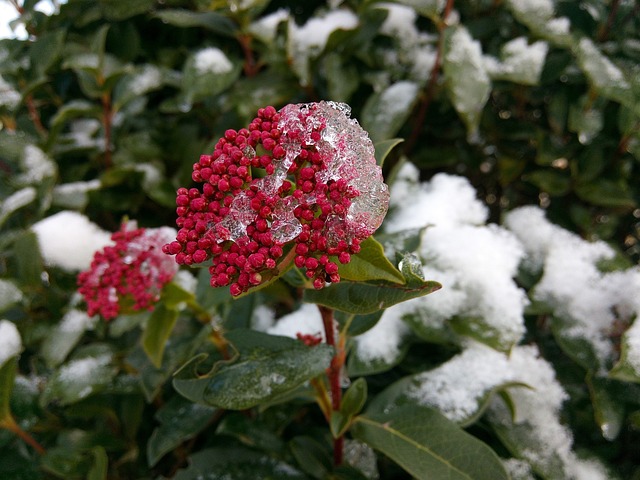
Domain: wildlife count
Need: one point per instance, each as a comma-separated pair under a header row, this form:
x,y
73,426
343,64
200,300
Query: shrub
x,y
509,135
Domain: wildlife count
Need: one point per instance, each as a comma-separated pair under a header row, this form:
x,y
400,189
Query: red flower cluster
x,y
128,274
300,185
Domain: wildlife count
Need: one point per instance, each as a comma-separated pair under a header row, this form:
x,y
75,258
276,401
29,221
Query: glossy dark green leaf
x,y
46,50
10,294
338,423
370,264
579,349
397,244
312,457
357,324
359,366
627,368
264,367
354,398
157,332
553,182
100,465
64,337
342,78
606,193
385,112
80,378
183,346
364,298
15,465
210,20
609,412
252,432
29,260
384,147
427,445
123,9
237,464
467,82
174,296
180,420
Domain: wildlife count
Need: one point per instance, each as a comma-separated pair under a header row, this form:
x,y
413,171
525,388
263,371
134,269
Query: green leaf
x,y
80,378
16,201
123,9
606,193
370,264
233,463
157,332
180,420
428,8
265,367
100,466
580,350
428,446
210,20
338,423
358,366
401,393
29,260
364,298
481,330
585,119
605,77
143,80
342,77
64,336
354,398
46,50
384,147
385,112
397,244
252,432
628,367
9,294
174,296
467,82
200,82
358,324
553,182
608,408
74,109
312,457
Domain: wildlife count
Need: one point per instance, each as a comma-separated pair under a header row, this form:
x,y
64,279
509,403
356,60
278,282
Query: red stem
x,y
431,86
10,424
250,67
107,115
605,29
333,374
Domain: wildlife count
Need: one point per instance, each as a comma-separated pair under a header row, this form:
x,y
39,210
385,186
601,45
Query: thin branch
x,y
606,28
107,117
333,373
10,424
250,66
430,89
34,115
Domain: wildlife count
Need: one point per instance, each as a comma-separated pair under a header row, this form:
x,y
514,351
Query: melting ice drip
x,y
348,154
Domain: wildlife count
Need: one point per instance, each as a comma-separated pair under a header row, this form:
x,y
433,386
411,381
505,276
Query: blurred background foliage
x,y
107,104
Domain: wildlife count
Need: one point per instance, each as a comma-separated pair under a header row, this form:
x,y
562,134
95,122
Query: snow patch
x,y
68,240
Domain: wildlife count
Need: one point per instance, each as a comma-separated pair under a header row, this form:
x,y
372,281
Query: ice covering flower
x,y
300,184
128,274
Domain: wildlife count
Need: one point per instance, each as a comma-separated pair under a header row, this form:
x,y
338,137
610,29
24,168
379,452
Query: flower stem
x,y
430,89
333,373
10,424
